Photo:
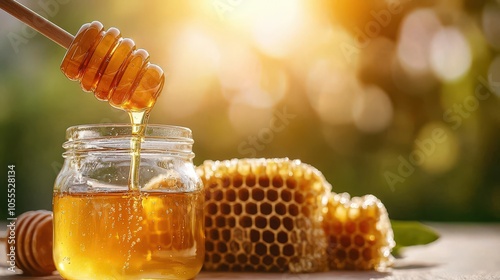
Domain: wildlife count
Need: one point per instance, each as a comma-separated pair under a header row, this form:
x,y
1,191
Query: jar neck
x,y
115,139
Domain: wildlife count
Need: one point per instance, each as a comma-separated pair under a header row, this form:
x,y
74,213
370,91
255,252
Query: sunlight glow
x,y
193,64
274,25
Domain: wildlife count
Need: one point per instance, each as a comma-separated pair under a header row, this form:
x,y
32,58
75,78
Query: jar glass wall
x,y
105,230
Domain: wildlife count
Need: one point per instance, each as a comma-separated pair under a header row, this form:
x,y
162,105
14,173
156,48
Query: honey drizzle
x,y
139,120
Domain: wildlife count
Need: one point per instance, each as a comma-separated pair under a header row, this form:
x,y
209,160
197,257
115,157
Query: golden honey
x,y
280,215
114,223
264,215
359,233
129,235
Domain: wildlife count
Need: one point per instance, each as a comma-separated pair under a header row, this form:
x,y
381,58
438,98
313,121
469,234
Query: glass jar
x,y
103,229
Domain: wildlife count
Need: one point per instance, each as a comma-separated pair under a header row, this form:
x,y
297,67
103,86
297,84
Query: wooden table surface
x,y
464,251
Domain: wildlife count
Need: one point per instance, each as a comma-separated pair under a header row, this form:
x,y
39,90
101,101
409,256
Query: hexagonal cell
x,y
277,181
230,195
222,247
237,181
280,209
291,183
216,195
260,249
288,250
209,246
251,208
282,262
237,208
260,222
243,194
341,255
211,208
299,197
258,194
231,222
306,210
366,225
250,180
225,208
293,210
254,260
226,235
208,221
268,236
286,195
264,181
254,235
353,254
225,182
245,221
242,258
220,221
274,249
350,227
213,234
266,208
267,260
230,258
359,240
274,222
345,241
272,195
282,237
288,223
234,246
215,258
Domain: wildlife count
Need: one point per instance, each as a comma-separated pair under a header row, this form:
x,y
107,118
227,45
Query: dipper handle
x,y
37,22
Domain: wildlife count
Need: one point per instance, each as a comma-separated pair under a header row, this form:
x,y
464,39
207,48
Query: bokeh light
x,y
372,111
494,75
416,33
450,54
491,24
437,146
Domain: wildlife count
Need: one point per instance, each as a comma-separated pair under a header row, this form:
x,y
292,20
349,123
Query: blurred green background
x,y
391,97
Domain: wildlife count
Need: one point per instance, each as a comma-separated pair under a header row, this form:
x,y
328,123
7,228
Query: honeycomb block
x,y
359,233
264,215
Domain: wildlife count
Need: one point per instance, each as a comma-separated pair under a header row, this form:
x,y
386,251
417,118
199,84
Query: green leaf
x,y
411,233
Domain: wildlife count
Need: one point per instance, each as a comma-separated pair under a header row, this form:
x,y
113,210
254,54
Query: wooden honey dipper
x,y
105,63
33,236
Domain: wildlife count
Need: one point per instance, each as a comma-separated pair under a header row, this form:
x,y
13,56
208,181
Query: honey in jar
x,y
103,229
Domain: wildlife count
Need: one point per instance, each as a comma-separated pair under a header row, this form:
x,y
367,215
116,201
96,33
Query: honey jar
x,y
104,229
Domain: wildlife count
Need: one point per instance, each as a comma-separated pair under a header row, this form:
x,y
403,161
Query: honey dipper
x,y
102,61
33,243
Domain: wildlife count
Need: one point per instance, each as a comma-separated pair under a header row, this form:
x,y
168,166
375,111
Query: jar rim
x,y
95,131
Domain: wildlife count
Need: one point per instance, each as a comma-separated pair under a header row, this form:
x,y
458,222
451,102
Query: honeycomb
x,y
280,215
264,215
359,233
